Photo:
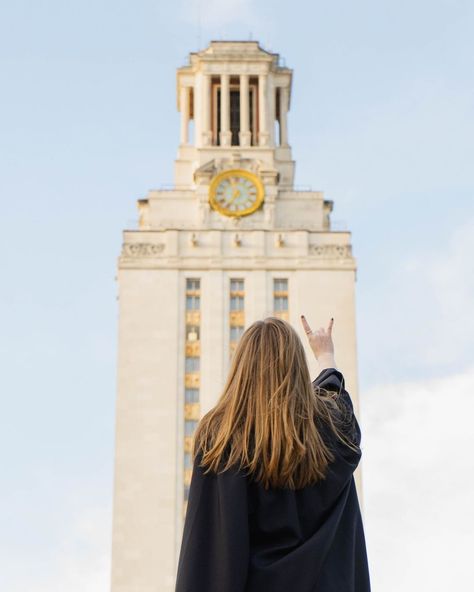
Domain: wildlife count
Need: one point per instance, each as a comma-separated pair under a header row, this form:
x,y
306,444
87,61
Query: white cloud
x,y
218,13
418,480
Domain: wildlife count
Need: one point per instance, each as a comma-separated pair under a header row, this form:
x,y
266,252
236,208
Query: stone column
x,y
244,134
284,99
184,110
271,117
206,110
262,110
225,135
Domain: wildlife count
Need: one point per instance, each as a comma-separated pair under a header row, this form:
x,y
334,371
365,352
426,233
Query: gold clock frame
x,y
230,173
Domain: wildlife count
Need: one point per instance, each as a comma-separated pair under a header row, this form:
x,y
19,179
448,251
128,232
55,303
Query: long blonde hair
x,y
266,419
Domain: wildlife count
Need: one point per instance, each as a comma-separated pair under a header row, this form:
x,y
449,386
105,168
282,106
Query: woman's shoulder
x,y
330,379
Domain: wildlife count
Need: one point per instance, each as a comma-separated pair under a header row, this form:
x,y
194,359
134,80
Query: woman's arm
x,y
332,379
326,360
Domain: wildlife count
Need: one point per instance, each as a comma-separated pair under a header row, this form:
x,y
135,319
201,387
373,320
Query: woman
x,y
272,504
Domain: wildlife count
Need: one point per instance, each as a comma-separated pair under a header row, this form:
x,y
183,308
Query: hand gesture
x,y
320,341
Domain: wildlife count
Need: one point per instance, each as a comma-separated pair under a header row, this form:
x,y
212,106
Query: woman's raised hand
x,y
320,341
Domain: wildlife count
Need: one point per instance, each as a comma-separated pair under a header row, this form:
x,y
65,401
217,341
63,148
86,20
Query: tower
x,y
231,243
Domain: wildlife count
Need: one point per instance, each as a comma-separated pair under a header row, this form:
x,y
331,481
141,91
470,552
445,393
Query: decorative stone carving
x,y
279,241
236,221
204,174
142,249
332,251
328,205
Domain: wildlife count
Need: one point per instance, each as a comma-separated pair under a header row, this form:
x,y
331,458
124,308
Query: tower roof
x,y
234,50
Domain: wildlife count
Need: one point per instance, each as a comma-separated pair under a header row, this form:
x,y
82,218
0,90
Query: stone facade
x,y
190,279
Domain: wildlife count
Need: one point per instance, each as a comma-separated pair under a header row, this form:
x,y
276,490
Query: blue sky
x,y
381,120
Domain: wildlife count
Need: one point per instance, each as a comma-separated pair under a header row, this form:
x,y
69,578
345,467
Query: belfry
x,y
232,242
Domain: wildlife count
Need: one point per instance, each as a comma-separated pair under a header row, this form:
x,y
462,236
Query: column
x,y
225,135
244,134
184,109
271,92
262,110
206,110
284,98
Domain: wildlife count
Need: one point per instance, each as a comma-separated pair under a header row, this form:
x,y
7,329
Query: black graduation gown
x,y
239,537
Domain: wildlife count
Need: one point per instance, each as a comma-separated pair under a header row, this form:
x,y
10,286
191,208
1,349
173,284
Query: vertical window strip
x,y
280,298
236,312
191,376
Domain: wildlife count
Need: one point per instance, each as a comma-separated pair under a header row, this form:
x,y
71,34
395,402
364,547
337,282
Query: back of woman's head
x,y
266,419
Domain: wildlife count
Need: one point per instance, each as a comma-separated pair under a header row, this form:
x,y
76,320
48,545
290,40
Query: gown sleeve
x,y
332,379
214,551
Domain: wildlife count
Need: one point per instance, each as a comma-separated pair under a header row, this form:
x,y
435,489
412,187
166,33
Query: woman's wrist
x,y
326,360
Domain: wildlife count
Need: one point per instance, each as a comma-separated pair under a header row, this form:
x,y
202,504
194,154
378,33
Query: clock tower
x,y
232,242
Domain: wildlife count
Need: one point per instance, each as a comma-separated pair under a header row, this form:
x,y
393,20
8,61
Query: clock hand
x,y
235,195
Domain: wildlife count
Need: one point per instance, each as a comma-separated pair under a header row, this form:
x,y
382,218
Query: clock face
x,y
236,193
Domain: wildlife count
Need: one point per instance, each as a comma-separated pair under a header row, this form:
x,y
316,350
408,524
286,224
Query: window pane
x,y
235,116
192,284
280,285
280,303
192,302
191,395
218,132
251,104
236,285
237,303
236,333
192,364
189,426
187,460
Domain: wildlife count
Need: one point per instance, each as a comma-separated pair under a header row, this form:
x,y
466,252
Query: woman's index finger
x,y
306,327
331,323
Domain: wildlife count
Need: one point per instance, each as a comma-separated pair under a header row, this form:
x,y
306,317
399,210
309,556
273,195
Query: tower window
x,y
234,110
280,303
217,125
236,333
189,426
235,116
234,124
236,303
193,302
193,284
191,375
280,298
192,364
191,395
277,118
236,313
236,285
280,285
187,460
